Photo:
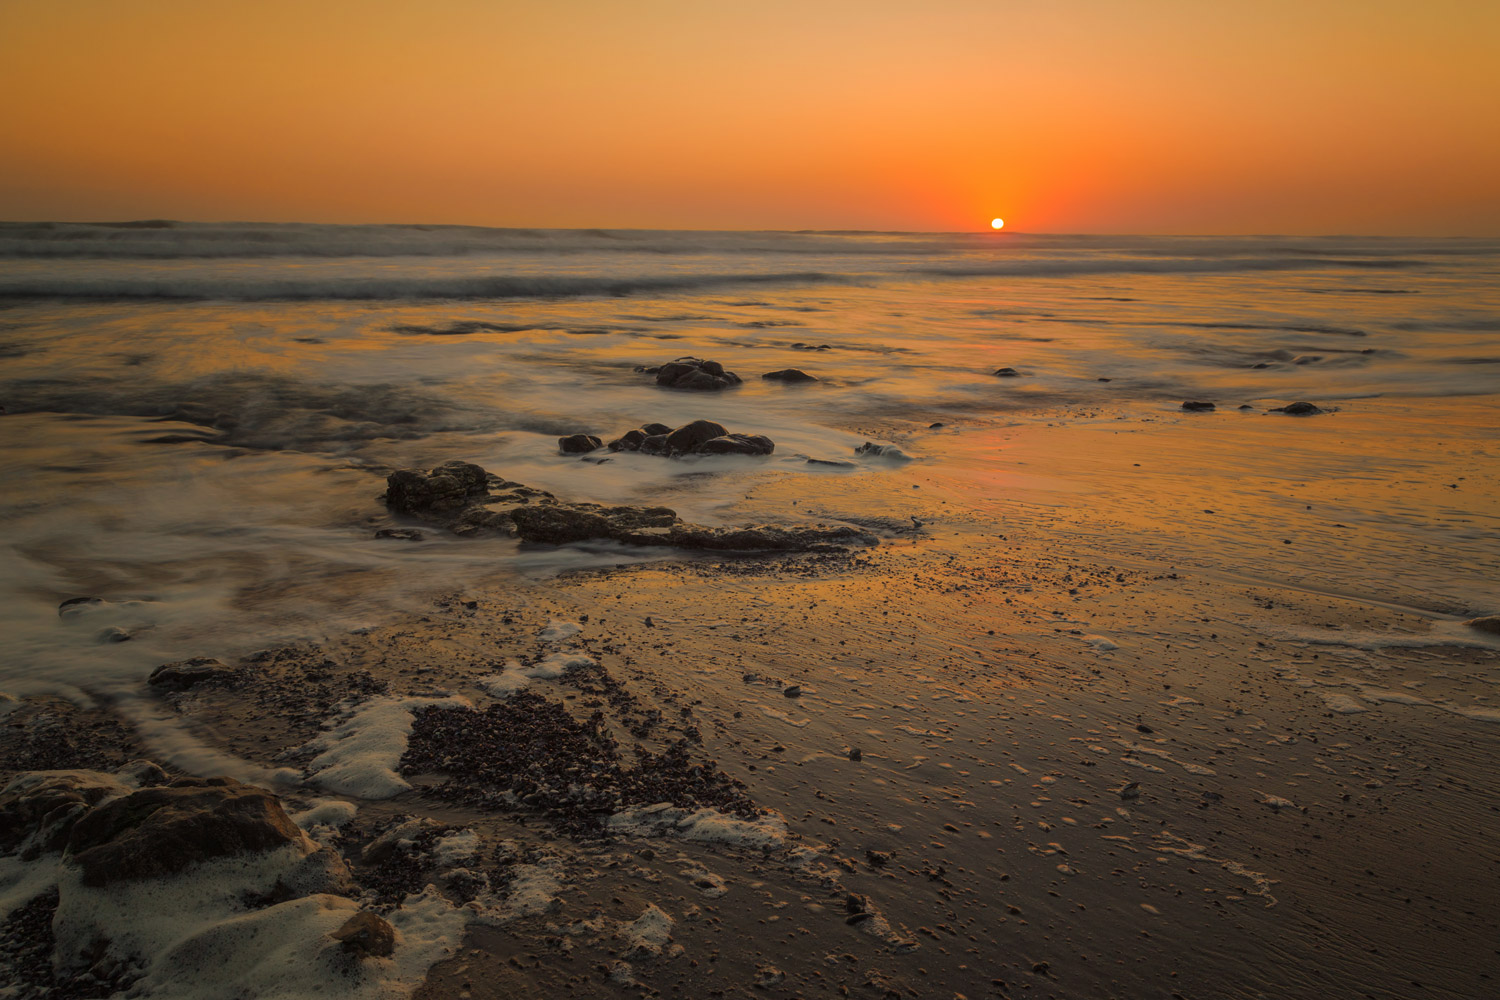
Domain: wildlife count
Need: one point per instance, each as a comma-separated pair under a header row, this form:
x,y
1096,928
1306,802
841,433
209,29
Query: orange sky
x,y
1060,115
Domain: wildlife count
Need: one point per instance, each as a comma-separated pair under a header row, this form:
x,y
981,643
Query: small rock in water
x,y
114,634
855,753
367,934
1302,409
792,691
933,427
790,375
882,451
578,444
405,534
1131,791
692,373
183,674
1489,623
77,606
1007,372
877,859
1197,406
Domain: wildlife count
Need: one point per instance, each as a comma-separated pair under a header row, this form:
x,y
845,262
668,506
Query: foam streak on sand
x,y
704,825
361,753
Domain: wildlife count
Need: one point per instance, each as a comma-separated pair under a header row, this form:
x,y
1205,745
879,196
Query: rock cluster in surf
x,y
465,499
692,373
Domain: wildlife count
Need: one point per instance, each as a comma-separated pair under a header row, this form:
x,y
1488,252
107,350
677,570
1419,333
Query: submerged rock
x,y
160,831
1489,623
405,534
1006,372
78,605
184,674
790,375
1299,409
692,373
1197,406
578,444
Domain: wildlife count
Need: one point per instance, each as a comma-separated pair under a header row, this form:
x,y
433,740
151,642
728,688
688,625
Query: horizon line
x,y
163,223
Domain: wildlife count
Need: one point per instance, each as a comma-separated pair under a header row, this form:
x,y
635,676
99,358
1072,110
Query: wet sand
x,y
1057,737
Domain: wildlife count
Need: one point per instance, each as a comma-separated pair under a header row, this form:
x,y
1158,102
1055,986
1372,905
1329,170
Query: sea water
x,y
199,417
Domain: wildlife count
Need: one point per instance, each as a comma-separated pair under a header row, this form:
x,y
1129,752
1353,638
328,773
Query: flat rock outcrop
x,y
537,516
184,674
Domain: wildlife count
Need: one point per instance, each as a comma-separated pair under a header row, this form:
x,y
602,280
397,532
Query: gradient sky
x,y
1256,116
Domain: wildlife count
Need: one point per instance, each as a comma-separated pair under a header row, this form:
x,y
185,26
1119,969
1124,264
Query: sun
x,y
997,223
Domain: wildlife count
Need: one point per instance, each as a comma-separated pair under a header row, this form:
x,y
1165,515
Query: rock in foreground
x,y
1302,409
160,831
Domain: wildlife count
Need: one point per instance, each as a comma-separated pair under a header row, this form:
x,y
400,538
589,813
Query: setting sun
x,y
997,223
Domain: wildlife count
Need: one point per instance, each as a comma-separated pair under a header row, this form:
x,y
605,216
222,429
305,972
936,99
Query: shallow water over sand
x,y
219,461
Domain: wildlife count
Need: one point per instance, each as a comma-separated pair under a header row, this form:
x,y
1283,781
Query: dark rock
x,y
448,487
737,444
790,375
536,516
877,859
161,831
694,373
77,606
933,427
1489,623
653,429
578,444
792,691
405,534
655,444
184,674
629,441
114,634
1299,409
38,808
799,346
367,934
558,524
1007,372
689,436
855,753
1197,406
